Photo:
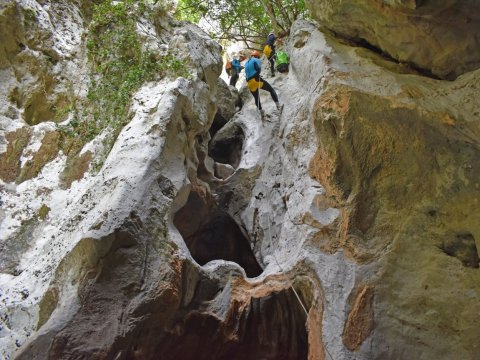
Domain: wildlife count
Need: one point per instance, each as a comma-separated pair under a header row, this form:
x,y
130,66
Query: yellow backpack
x,y
267,50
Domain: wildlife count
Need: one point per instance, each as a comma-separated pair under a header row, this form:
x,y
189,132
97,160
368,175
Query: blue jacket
x,y
236,64
252,68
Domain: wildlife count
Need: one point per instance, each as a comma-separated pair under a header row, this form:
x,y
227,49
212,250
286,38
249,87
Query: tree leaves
x,y
243,20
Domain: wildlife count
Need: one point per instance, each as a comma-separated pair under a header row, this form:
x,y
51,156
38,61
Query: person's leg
x,y
257,99
264,85
272,65
254,85
233,80
234,77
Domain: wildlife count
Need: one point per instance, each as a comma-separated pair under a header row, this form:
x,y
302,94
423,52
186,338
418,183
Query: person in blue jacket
x,y
236,69
255,81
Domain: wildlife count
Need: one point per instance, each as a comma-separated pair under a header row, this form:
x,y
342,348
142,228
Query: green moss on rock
x,y
11,33
12,248
43,212
10,160
47,152
75,169
47,305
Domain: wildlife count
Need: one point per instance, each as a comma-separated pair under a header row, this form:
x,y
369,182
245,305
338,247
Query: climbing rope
x,y
281,269
291,285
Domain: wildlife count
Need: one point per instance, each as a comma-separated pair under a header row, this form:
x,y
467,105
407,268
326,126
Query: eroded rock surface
x,y
343,229
438,37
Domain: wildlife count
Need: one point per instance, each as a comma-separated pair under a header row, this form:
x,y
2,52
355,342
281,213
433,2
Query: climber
x,y
256,82
282,61
228,68
269,51
235,70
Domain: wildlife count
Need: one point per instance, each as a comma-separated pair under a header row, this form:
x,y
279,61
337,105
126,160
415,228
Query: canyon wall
x,y
343,228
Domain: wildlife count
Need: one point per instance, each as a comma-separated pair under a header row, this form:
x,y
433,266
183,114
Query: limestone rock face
x,y
439,37
397,154
344,228
40,62
227,100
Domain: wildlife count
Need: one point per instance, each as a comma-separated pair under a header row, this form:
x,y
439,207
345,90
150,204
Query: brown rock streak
x,y
315,333
360,320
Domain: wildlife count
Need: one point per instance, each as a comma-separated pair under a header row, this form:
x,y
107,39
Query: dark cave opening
x,y
421,71
227,144
360,42
218,122
272,327
269,324
462,246
275,328
211,233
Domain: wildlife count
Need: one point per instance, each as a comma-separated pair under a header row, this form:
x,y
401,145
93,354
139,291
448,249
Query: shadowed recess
x,y
462,247
212,234
218,122
271,327
226,146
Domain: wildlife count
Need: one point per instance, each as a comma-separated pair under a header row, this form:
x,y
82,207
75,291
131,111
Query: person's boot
x,y
279,107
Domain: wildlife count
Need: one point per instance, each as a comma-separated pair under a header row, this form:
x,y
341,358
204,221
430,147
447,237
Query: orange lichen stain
x,y
360,320
447,120
272,283
244,290
170,290
336,99
316,348
322,168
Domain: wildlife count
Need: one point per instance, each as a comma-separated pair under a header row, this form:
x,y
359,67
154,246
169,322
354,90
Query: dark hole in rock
x,y
211,233
268,328
421,71
463,247
226,146
218,122
432,212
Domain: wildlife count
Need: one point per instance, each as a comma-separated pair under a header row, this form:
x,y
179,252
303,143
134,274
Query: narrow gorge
x,y
148,212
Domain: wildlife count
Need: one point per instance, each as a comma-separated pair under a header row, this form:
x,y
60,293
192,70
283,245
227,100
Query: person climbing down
x,y
256,82
282,61
235,70
269,51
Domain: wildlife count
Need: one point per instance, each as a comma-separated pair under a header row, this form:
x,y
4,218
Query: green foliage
x,y
29,16
191,11
243,20
120,67
42,213
61,112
